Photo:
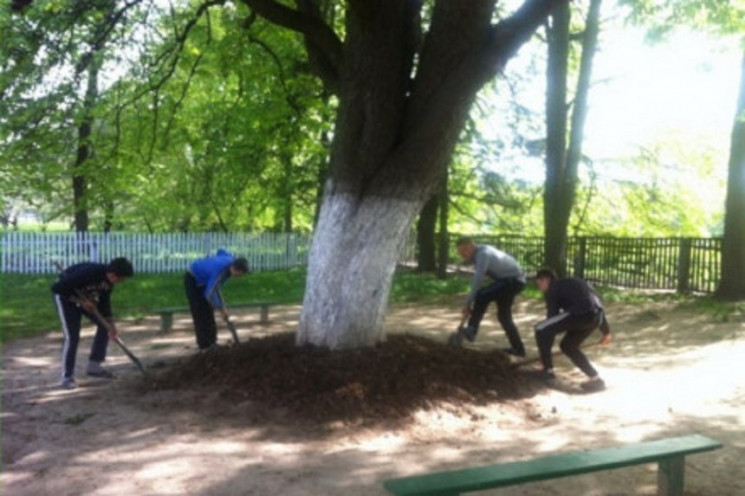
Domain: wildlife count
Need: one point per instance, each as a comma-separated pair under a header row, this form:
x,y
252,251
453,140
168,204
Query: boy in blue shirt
x,y
202,282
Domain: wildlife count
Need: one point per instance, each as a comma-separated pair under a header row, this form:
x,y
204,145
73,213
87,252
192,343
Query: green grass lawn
x,y
27,307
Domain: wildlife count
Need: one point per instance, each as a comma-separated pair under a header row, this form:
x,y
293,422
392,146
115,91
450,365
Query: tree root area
x,y
271,378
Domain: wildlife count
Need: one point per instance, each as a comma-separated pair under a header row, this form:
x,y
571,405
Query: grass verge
x,y
27,307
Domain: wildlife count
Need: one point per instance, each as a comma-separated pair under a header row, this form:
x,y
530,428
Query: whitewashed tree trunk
x,y
405,79
355,248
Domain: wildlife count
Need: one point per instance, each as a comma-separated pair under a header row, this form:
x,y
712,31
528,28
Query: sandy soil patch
x,y
670,371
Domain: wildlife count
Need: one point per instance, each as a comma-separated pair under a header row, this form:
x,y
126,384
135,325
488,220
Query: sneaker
x,y
68,383
212,347
514,352
547,376
95,370
593,385
102,374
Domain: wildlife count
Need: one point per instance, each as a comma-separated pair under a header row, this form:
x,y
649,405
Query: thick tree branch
x,y
509,35
323,46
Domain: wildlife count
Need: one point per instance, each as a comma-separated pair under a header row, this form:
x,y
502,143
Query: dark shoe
x,y
212,347
593,385
102,374
514,352
469,333
547,376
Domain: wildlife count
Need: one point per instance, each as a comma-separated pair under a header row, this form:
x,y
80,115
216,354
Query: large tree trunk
x,y
355,249
393,140
732,284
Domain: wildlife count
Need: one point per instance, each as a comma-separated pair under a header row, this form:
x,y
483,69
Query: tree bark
x,y
732,283
350,269
396,127
85,152
562,160
554,203
425,236
443,252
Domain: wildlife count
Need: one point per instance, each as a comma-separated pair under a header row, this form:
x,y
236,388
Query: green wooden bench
x,y
166,314
668,453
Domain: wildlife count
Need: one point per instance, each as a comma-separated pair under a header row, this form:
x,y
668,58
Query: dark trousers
x,y
577,328
71,317
503,292
202,313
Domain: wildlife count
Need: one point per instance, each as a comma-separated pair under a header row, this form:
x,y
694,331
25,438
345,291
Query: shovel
x,y
229,323
101,321
456,338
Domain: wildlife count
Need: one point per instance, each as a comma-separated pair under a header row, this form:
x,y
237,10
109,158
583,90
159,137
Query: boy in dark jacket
x,y
84,289
572,307
202,283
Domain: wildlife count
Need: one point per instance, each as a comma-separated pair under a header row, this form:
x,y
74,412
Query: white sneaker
x,y
68,383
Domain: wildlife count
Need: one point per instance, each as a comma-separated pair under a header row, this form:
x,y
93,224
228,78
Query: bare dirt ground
x,y
265,418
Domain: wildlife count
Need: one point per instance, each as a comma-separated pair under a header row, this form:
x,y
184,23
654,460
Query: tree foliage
x,y
724,17
218,127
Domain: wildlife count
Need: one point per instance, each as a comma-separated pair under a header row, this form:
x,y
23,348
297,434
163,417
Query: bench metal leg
x,y
670,476
265,314
166,322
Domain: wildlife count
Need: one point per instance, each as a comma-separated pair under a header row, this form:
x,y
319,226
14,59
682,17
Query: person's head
x,y
239,267
544,277
466,248
119,270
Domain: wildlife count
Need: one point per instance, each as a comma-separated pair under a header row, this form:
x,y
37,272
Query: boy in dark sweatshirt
x,y
85,289
575,309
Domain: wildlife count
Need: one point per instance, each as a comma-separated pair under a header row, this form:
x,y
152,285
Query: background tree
x,y
732,283
230,126
564,135
53,57
396,128
725,18
404,75
216,129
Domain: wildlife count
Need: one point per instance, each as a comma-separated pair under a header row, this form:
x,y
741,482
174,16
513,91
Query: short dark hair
x,y
240,264
546,273
464,240
121,267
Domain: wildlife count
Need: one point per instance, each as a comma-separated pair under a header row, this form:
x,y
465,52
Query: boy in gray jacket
x,y
508,280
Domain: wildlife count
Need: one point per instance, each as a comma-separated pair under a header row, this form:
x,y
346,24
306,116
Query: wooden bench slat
x,y
166,314
159,311
548,467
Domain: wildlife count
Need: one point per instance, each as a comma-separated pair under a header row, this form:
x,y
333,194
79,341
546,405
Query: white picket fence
x,y
38,253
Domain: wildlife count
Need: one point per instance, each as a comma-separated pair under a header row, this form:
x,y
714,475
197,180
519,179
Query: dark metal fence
x,y
679,264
